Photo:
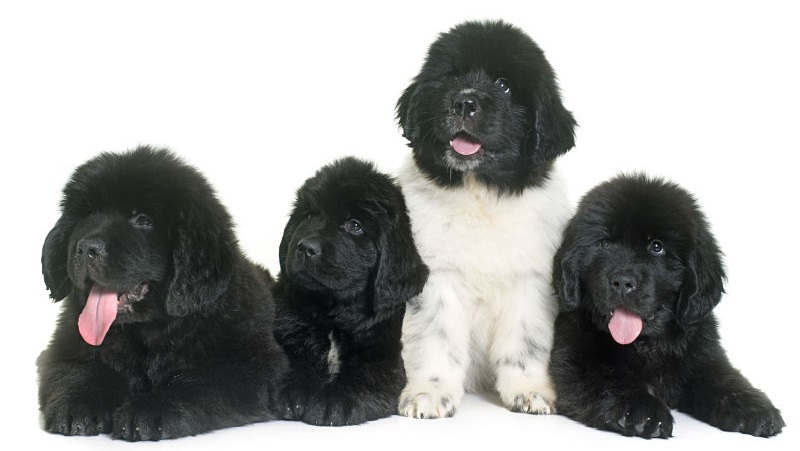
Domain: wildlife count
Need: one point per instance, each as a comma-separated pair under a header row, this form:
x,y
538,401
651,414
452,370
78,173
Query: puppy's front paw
x,y
427,405
79,418
156,417
331,410
138,420
524,392
293,402
645,417
535,403
747,412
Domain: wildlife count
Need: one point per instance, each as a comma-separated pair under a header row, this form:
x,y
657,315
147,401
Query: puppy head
x,y
349,237
640,257
486,102
139,226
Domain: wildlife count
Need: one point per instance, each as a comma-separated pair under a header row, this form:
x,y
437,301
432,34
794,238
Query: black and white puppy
x,y
348,267
638,275
485,122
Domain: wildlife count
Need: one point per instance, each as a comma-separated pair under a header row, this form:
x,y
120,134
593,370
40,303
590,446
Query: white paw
x,y
427,405
531,392
535,403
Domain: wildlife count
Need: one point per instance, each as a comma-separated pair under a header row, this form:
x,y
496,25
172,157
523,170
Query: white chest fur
x,y
474,231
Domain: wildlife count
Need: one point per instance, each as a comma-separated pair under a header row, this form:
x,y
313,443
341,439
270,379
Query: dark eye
x,y
604,243
353,227
141,221
503,84
656,247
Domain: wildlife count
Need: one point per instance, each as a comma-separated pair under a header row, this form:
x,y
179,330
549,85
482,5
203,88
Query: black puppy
x,y
638,274
166,328
348,267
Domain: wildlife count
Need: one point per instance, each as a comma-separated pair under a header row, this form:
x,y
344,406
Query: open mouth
x,y
465,144
101,309
625,326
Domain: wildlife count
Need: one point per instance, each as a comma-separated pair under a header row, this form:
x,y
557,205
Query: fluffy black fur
x,y
643,244
489,83
348,266
191,348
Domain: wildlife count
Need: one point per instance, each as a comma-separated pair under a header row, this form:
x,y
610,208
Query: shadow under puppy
x,y
348,267
638,275
166,328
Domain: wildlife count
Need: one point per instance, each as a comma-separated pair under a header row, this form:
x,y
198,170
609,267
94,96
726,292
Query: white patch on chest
x,y
484,237
334,364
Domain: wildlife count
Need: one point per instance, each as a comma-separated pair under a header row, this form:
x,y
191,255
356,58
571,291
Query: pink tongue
x,y
97,316
624,326
465,146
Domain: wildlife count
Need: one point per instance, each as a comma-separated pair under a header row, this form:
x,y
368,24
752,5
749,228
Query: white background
x,y
258,95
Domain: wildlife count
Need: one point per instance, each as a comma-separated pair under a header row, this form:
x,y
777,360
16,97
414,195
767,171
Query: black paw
x,y
331,409
153,417
136,421
76,419
292,403
747,412
645,417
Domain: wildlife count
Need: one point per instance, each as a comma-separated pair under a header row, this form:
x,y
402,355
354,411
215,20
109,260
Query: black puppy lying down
x,y
166,327
348,267
638,275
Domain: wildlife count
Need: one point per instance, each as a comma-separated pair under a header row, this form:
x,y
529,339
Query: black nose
x,y
623,283
91,248
465,105
309,248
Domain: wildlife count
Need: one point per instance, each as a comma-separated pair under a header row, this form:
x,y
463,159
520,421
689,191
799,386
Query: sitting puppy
x,y
638,275
166,328
486,125
348,267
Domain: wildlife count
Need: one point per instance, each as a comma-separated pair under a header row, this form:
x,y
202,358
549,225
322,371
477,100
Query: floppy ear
x,y
566,278
553,128
703,283
401,273
405,112
54,260
283,248
203,260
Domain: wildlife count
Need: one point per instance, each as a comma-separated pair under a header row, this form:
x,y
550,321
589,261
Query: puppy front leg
x,y
602,386
721,396
78,398
435,341
220,394
521,350
360,393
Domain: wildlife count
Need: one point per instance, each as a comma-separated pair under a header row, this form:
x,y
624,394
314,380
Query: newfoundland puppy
x,y
348,267
485,123
166,328
638,275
